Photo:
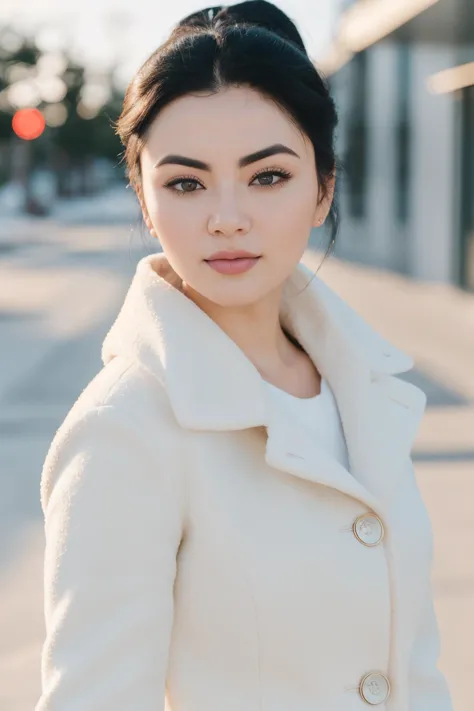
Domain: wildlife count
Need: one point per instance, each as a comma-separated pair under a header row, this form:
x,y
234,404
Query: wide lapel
x,y
380,413
293,449
380,416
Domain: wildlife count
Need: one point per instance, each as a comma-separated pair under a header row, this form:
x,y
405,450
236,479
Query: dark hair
x,y
252,44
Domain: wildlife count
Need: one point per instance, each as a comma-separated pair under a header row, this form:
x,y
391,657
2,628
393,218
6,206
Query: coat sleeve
x,y
428,688
113,524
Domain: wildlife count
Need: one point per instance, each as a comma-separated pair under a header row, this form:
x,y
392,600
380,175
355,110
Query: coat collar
x,y
212,385
160,327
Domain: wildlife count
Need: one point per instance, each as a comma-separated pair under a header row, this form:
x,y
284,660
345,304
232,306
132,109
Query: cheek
x,y
289,222
306,201
178,234
172,219
283,254
295,204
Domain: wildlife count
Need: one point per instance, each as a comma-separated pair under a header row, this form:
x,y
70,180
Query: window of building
x,y
403,134
356,158
467,189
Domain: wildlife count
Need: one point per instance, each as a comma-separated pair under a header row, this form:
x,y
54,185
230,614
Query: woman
x,y
232,518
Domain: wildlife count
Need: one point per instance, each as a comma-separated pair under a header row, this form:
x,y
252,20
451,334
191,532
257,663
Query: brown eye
x,y
188,185
265,178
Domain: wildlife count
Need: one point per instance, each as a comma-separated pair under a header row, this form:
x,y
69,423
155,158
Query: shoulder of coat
x,y
136,396
125,402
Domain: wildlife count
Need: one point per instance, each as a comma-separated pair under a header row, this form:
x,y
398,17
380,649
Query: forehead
x,y
234,119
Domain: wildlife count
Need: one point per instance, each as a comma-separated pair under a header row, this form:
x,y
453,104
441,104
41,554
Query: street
x,y
61,288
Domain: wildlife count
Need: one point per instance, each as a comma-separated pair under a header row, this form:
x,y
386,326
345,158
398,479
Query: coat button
x,y
368,529
375,688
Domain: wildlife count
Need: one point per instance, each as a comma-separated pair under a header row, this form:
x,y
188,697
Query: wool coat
x,y
203,550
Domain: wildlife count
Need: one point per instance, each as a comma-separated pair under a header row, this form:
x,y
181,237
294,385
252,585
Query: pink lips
x,y
232,262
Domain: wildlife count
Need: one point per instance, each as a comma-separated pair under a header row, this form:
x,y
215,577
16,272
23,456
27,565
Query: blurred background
x,y
402,73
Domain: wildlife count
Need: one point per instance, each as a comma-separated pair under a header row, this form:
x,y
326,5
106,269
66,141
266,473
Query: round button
x,y
368,529
375,688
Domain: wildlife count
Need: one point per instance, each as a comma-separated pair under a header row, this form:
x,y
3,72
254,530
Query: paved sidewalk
x,y
60,291
433,322
56,287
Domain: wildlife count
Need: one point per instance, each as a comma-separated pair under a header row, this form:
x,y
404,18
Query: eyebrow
x,y
243,162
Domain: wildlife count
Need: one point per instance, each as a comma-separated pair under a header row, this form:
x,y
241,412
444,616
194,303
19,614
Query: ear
x,y
323,207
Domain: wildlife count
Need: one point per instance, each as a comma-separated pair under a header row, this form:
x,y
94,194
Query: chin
x,y
229,291
237,295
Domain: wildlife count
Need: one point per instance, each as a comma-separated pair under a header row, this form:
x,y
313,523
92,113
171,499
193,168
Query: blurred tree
x,y
81,134
14,51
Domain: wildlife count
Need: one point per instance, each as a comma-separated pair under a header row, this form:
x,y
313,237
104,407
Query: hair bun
x,y
201,18
264,14
260,13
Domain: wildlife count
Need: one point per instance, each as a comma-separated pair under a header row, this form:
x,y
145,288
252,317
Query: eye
x,y
268,174
186,182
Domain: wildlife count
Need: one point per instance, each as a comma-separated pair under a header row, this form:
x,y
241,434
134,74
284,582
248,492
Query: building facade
x,y
407,151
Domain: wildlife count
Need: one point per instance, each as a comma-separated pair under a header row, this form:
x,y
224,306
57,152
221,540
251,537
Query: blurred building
x,y
402,72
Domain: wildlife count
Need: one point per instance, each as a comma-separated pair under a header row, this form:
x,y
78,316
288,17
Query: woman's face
x,y
265,206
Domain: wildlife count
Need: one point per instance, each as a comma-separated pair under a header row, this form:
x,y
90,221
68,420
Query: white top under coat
x,y
320,414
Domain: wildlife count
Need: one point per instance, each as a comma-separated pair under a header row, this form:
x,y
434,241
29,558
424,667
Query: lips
x,y
232,262
232,255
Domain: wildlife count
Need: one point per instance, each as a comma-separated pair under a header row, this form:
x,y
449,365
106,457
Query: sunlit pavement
x,y
60,292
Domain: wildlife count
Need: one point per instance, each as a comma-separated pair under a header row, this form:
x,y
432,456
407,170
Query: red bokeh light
x,y
28,124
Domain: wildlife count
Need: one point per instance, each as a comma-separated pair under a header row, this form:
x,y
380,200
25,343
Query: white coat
x,y
201,546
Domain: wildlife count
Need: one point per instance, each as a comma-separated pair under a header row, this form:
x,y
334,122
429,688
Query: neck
x,y
256,330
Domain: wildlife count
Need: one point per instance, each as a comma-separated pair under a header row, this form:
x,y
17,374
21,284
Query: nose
x,y
228,218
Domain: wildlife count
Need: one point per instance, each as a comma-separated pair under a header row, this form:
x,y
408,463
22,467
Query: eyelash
x,y
280,172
